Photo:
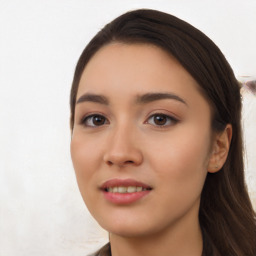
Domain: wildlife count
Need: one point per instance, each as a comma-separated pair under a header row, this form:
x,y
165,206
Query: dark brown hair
x,y
226,212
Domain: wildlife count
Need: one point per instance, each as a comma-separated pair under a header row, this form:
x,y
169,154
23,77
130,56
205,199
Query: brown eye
x,y
98,120
94,120
161,120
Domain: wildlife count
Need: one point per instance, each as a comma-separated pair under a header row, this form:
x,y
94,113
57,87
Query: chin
x,y
131,232
122,229
130,228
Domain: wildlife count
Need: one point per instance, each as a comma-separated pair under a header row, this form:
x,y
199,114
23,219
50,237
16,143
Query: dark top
x,y
209,248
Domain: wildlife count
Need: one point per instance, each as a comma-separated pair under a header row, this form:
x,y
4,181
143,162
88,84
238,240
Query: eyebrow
x,y
88,97
141,99
149,97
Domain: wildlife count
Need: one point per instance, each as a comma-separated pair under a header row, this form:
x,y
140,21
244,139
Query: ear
x,y
220,149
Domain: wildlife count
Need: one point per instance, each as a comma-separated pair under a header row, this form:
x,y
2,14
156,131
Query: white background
x,y
41,210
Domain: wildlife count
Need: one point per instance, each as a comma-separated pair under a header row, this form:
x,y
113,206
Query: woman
x,y
156,140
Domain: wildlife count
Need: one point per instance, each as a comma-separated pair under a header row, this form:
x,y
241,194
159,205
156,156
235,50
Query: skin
x,y
172,158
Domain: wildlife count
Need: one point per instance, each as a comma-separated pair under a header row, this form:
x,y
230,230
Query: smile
x,y
127,191
122,189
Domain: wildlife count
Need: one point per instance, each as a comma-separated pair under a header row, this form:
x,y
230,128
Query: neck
x,y
181,239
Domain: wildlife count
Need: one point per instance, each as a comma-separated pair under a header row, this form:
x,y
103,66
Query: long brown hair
x,y
226,212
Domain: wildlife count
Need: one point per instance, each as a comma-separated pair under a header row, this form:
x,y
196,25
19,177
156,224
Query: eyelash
x,y
90,118
170,119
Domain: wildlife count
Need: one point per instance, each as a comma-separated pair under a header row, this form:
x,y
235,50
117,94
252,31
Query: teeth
x,y
131,189
122,190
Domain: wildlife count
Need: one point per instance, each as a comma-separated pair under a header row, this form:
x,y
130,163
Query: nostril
x,y
129,162
123,158
109,163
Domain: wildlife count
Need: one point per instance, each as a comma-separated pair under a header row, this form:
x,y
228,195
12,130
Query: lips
x,y
125,191
124,186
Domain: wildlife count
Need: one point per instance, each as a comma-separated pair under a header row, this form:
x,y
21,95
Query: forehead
x,y
132,69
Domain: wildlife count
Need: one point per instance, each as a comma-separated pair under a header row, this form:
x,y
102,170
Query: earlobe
x,y
220,149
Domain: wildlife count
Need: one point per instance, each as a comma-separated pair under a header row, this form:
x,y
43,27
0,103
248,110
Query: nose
x,y
123,148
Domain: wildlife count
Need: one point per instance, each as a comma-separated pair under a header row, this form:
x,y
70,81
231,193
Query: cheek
x,y
182,158
85,158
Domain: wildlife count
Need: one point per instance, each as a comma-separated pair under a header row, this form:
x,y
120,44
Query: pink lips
x,y
124,198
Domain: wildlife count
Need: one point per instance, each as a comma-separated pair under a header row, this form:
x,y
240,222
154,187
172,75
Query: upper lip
x,y
123,182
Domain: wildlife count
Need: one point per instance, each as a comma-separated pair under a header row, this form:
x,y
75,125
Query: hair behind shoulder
x,y
226,212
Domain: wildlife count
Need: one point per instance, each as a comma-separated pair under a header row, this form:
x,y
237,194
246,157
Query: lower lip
x,y
125,198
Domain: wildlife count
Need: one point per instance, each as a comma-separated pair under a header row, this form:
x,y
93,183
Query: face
x,y
141,141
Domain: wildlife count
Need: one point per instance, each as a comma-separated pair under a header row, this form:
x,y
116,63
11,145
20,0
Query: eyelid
x,y
91,115
171,117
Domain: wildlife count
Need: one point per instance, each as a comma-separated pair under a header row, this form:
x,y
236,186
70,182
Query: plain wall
x,y
41,210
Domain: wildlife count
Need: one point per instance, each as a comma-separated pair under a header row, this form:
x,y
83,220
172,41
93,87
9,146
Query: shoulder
x,y
104,251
